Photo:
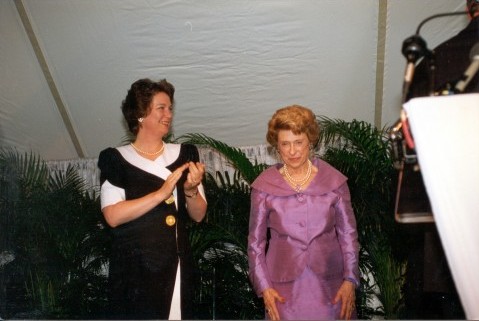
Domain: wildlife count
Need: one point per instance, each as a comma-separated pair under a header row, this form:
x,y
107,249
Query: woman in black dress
x,y
149,190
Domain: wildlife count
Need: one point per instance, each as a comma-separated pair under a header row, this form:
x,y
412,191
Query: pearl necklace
x,y
298,182
147,153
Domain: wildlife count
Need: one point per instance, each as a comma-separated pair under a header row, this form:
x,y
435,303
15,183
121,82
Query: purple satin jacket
x,y
314,228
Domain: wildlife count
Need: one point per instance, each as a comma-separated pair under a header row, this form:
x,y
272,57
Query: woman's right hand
x,y
270,296
170,182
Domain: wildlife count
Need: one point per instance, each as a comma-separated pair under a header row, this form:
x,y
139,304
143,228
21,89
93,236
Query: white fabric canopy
x,y
233,64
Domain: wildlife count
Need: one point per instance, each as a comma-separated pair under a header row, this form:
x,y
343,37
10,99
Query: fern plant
x,y
220,243
237,159
219,247
362,153
53,231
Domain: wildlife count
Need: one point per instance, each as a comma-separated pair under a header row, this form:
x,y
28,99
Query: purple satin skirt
x,y
309,298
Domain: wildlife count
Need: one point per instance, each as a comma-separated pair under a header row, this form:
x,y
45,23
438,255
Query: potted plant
x,y
54,238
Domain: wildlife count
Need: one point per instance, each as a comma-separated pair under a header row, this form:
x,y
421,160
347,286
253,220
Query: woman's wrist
x,y
163,197
191,193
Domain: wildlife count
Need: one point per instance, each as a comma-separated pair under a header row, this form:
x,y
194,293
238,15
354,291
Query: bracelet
x,y
192,195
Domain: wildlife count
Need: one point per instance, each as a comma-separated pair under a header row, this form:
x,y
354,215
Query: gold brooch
x,y
170,220
170,199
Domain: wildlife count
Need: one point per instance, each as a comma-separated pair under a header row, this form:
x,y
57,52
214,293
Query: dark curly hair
x,y
296,118
139,97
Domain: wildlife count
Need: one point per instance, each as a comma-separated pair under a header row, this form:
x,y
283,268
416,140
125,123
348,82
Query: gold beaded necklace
x,y
298,183
147,153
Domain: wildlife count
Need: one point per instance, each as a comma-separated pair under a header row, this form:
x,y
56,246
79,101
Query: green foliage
x,y
237,159
389,275
220,243
54,231
219,246
361,152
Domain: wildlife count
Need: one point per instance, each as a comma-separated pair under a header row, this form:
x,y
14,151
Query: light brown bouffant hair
x,y
296,118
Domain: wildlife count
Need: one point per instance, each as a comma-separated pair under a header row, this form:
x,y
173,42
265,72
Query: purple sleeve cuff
x,y
353,281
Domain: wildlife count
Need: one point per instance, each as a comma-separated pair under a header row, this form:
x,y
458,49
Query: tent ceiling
x,y
232,62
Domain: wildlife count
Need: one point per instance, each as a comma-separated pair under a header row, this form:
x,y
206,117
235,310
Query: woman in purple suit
x,y
306,267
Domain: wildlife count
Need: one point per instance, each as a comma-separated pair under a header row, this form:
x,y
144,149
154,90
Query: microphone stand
x,y
402,143
431,56
413,49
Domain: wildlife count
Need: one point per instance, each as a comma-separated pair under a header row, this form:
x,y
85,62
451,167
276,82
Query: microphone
x,y
413,48
470,71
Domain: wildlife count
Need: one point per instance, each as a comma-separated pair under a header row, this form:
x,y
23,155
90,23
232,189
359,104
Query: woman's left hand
x,y
196,205
347,295
195,175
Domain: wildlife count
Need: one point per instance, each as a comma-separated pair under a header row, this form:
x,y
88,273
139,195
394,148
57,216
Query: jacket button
x,y
170,220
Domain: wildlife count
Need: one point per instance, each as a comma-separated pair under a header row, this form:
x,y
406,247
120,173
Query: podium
x,y
446,135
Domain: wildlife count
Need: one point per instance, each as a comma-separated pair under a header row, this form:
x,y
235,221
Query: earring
x,y
140,120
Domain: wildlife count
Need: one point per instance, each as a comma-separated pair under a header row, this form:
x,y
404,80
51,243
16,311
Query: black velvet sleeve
x,y
109,165
188,153
191,153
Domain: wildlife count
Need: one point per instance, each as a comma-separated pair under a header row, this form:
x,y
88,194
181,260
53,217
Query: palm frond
x,y
227,216
67,181
27,170
360,137
389,275
362,153
219,247
235,156
51,222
